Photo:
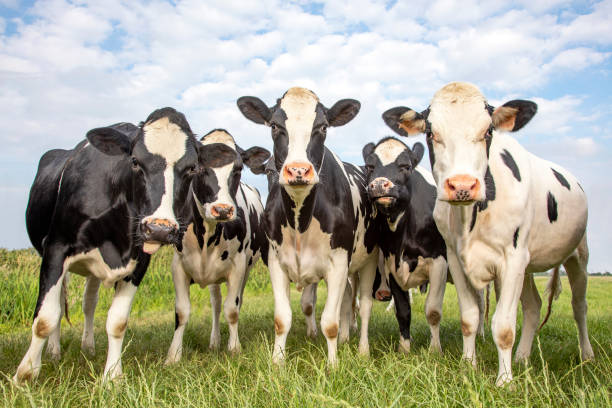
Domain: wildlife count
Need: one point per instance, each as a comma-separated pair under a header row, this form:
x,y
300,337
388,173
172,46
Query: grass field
x,y
556,377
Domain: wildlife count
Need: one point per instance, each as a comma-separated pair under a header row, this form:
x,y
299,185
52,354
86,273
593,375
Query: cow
x,y
224,237
316,218
503,212
101,210
403,196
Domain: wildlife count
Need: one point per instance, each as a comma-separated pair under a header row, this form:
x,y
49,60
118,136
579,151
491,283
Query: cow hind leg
x,y
532,304
47,314
215,304
346,314
90,301
576,269
403,314
309,304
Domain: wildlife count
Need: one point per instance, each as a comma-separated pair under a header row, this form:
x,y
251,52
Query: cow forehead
x,y
219,136
166,139
300,107
389,150
459,105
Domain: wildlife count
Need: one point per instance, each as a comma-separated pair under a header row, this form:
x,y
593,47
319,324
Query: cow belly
x,y
209,265
92,263
412,279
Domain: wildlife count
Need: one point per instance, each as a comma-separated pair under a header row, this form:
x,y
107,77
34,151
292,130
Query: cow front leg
x,y
403,314
346,314
366,282
433,303
337,280
90,301
531,303
116,325
182,310
215,304
282,307
503,323
231,306
47,314
309,305
468,307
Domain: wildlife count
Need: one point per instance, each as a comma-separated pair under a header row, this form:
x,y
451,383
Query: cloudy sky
x,y
69,66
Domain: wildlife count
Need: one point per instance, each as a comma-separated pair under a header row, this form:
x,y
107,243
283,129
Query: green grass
x,y
556,377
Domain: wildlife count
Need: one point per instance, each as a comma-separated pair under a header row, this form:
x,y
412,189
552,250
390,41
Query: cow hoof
x,y
89,350
214,344
521,358
588,355
364,351
403,346
312,333
235,349
503,380
55,355
435,348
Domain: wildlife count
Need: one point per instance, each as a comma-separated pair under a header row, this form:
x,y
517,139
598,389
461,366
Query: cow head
x,y
217,181
389,165
159,162
299,125
460,125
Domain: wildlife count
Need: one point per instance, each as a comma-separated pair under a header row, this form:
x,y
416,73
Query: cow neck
x,y
299,208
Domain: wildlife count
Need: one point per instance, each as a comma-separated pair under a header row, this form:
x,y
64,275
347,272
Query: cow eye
x,y
135,164
369,168
323,128
273,126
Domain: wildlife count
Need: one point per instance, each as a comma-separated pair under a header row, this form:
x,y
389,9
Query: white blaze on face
x,y
167,140
300,106
389,150
222,174
459,120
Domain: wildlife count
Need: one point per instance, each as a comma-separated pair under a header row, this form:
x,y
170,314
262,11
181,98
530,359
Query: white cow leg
x,y
116,325
282,307
337,280
346,315
309,304
366,281
182,310
215,304
575,266
90,301
503,324
532,304
468,308
433,303
48,318
53,343
231,306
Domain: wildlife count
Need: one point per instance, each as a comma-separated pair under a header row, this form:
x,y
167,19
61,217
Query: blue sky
x,y
69,66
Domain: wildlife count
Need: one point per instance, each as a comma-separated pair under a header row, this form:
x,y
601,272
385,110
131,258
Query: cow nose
x,y
222,211
462,188
298,173
159,230
380,186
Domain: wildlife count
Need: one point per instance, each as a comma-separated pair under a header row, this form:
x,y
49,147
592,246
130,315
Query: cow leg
x,y
215,304
468,307
182,310
309,303
282,307
403,314
575,266
503,323
531,303
346,314
116,324
231,306
481,312
433,303
354,281
53,343
90,301
337,280
47,314
366,281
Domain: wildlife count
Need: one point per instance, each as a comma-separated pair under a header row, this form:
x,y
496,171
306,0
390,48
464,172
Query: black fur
x,y
551,204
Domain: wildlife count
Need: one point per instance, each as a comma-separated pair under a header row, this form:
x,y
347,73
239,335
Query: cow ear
x,y
367,151
255,159
254,109
513,115
405,121
417,153
343,112
215,155
110,141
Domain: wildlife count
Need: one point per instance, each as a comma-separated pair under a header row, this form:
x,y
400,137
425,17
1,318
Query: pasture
x,y
556,377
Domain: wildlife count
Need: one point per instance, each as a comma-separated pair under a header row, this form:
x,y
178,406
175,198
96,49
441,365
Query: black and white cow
x,y
503,212
316,217
224,237
101,210
404,195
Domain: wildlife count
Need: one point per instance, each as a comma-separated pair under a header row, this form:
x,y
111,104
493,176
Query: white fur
x,y
389,150
92,263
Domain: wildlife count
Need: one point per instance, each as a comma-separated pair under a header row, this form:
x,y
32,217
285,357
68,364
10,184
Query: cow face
x,y
299,125
218,179
459,125
389,165
156,172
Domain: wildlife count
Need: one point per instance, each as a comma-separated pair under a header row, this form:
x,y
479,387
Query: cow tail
x,y
553,288
65,298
